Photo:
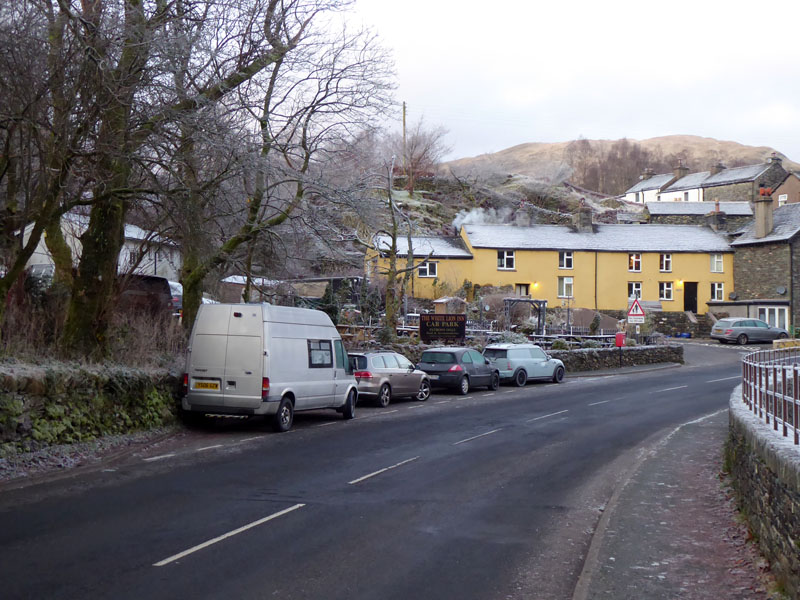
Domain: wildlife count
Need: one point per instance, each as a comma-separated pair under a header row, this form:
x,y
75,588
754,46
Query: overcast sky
x,y
497,74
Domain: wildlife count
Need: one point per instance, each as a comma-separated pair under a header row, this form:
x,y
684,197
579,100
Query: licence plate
x,y
206,385
433,377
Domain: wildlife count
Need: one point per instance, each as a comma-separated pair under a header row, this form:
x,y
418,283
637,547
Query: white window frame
x,y
565,260
428,269
635,262
776,316
634,289
665,290
566,287
717,291
783,199
504,257
665,263
717,263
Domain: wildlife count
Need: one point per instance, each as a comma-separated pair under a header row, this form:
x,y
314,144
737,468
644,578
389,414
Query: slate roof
x,y
738,209
690,182
436,247
736,175
653,183
786,224
606,238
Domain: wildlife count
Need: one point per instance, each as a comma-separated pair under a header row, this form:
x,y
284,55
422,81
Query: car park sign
x,y
636,312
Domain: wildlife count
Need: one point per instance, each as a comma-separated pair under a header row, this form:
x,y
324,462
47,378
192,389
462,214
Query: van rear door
x,y
207,355
244,357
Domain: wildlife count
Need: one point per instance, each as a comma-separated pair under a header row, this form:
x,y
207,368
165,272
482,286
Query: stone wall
x,y
758,271
734,222
735,192
765,469
40,406
593,359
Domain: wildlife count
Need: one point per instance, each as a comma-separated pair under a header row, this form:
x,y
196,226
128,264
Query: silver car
x,y
521,362
743,330
386,375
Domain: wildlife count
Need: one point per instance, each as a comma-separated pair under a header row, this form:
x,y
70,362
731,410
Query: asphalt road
x,y
493,495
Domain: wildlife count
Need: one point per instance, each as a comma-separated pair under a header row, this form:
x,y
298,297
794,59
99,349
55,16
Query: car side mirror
x,y
487,361
411,368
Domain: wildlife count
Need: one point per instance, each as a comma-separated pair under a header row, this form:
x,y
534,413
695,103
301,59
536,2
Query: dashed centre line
x,y
680,387
209,447
596,403
161,457
224,536
724,379
443,402
475,437
379,471
561,412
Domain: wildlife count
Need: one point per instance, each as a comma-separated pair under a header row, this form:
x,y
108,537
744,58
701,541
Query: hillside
x,y
611,166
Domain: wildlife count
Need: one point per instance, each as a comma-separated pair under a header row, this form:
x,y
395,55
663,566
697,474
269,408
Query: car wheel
x,y
783,336
282,421
424,390
742,339
349,408
495,382
521,378
558,375
384,396
463,388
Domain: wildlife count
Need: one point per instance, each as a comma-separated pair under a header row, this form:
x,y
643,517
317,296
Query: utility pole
x,y
404,137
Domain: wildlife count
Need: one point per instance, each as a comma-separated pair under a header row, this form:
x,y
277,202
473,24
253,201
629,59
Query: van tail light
x,y
264,387
455,368
362,375
185,384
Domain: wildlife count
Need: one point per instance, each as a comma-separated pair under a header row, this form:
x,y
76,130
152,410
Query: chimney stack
x,y
717,219
763,212
717,168
680,171
582,220
775,158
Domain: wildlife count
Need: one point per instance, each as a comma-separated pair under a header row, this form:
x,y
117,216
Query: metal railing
x,y
771,388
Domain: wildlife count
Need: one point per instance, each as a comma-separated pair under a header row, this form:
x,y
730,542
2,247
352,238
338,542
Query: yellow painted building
x,y
600,267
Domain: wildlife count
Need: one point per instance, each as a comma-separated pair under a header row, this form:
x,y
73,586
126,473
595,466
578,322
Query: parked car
x,y
459,368
521,362
176,290
742,330
148,294
382,376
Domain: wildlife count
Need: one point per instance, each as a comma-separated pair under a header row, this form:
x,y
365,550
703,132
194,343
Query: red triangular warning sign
x,y
636,309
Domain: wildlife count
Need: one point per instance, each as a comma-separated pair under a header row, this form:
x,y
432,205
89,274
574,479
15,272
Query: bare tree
x,y
421,151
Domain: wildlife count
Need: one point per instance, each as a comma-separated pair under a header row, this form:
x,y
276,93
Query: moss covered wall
x,y
40,406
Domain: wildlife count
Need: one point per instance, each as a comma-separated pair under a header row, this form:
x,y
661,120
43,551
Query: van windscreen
x,y
438,357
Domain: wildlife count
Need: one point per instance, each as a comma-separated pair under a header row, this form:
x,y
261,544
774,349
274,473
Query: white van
x,y
260,359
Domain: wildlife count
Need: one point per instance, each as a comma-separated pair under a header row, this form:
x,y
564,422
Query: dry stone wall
x,y
765,469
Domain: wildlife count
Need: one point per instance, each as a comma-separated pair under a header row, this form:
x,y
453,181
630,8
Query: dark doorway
x,y
690,296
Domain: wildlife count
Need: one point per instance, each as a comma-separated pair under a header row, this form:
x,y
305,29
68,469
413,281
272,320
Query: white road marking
x,y
326,424
489,394
443,401
475,437
209,448
510,392
386,412
415,406
224,536
153,458
724,379
596,403
378,472
250,439
680,387
561,412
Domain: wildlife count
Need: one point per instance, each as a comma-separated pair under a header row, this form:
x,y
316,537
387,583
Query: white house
x,y
159,256
648,189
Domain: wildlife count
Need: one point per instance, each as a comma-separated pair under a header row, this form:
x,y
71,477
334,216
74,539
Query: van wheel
x,y
558,375
495,382
384,396
424,390
463,387
349,408
521,378
282,421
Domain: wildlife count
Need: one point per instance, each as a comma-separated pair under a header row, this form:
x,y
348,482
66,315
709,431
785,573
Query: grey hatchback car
x,y
459,368
521,362
383,375
743,330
